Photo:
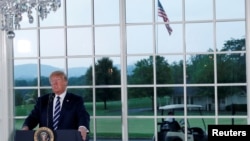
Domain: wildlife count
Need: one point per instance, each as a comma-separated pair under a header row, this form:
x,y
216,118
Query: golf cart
x,y
172,130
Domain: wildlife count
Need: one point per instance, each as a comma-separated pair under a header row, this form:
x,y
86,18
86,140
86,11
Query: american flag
x,y
162,13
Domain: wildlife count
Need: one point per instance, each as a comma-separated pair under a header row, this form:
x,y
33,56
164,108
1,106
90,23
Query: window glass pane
x,y
79,71
79,41
199,10
233,9
169,96
105,131
131,61
231,68
25,99
140,129
25,72
163,71
106,12
141,72
107,71
52,42
200,69
54,18
140,101
107,44
108,101
139,39
203,96
78,12
199,37
164,95
173,9
44,91
169,43
48,66
85,94
25,43
18,123
227,31
232,100
169,69
135,9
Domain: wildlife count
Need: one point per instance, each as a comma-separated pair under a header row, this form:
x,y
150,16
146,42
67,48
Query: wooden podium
x,y
59,135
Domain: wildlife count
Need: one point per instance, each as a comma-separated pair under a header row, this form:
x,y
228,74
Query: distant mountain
x,y
29,71
77,71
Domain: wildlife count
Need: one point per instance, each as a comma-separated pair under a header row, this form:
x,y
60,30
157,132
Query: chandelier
x,y
11,12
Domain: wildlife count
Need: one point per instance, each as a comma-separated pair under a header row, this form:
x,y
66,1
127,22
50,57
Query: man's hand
x,y
25,128
83,131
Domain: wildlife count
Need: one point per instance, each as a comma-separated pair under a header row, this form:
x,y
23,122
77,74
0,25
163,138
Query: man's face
x,y
58,84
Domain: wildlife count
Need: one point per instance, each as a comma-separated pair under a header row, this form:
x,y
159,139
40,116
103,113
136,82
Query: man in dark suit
x,y
72,112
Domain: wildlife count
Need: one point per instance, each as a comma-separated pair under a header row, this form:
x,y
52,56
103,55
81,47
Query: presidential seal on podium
x,y
43,134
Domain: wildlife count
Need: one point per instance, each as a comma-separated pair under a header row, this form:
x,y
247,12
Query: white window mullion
x,y
248,57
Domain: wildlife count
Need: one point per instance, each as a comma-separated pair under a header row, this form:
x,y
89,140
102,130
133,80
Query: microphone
x,y
51,97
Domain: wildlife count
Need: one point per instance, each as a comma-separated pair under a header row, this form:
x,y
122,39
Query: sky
x,y
197,37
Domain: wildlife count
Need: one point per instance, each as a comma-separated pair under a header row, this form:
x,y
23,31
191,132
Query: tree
x,y
21,83
200,69
105,74
177,72
143,74
232,67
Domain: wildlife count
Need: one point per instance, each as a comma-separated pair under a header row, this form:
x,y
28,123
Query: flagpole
x,y
156,24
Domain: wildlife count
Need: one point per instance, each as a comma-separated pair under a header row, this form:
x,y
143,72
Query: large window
x,y
123,59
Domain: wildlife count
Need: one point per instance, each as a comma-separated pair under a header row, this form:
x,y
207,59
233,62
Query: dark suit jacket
x,y
73,113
